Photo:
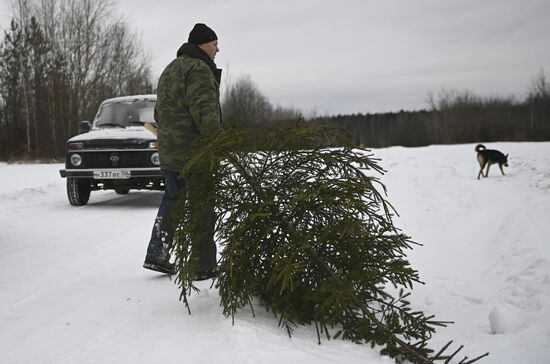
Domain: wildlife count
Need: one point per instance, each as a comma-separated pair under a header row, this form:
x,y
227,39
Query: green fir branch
x,y
306,229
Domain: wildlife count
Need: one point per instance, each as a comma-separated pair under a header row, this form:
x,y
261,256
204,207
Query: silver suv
x,y
117,151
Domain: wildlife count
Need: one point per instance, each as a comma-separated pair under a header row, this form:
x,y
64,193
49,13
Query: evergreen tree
x,y
11,129
306,230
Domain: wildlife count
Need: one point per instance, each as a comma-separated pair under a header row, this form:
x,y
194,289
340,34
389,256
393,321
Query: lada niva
x,y
117,151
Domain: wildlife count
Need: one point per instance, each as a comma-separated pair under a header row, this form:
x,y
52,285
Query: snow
x,y
138,132
72,289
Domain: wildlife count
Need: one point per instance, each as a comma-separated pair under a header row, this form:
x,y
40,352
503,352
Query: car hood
x,y
133,132
134,136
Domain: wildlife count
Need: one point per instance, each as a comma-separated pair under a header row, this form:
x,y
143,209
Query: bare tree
x,y
540,87
245,104
538,99
68,56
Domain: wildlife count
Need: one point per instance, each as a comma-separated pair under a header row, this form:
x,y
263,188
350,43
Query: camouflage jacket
x,y
188,105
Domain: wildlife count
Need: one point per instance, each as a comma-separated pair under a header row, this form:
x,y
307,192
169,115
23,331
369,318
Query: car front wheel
x,y
78,191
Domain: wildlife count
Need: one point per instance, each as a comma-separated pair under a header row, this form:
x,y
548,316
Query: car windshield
x,y
125,113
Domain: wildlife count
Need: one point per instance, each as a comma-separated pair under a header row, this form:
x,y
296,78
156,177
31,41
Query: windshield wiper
x,y
111,124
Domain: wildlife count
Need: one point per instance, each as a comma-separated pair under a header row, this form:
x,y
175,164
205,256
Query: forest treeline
x,y
456,117
60,59
451,117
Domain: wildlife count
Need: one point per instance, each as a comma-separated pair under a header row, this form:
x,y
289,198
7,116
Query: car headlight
x,y
76,160
153,145
155,159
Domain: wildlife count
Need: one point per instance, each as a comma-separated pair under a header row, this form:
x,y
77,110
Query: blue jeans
x,y
203,219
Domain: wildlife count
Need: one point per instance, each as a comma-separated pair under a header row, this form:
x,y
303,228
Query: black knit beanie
x,y
201,34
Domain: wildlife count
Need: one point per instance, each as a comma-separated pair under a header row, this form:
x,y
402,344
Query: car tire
x,y
78,191
122,190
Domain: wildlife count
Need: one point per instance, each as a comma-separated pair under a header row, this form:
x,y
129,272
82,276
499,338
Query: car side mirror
x,y
85,126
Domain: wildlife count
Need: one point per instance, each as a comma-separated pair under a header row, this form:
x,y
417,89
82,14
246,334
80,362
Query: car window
x,y
125,113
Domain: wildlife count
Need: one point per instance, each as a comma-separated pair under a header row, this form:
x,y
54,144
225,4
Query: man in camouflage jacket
x,y
187,107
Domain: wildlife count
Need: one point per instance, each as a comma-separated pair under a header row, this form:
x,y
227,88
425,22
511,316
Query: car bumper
x,y
89,173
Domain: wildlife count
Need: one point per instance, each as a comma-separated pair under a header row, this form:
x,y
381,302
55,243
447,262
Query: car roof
x,y
152,97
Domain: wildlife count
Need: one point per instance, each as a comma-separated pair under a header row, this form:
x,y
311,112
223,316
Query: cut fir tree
x,y
306,229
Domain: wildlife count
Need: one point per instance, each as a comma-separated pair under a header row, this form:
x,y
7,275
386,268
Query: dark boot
x,y
207,274
159,265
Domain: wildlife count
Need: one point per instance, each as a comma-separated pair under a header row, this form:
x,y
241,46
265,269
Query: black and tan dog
x,y
486,157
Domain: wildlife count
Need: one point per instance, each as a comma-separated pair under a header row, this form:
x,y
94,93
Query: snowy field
x,y
72,289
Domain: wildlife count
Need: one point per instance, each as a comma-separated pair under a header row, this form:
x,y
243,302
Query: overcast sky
x,y
353,56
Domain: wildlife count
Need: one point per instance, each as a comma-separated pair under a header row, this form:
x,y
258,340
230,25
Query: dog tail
x,y
479,147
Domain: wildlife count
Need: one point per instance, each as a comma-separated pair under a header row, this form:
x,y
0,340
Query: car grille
x,y
114,144
117,159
